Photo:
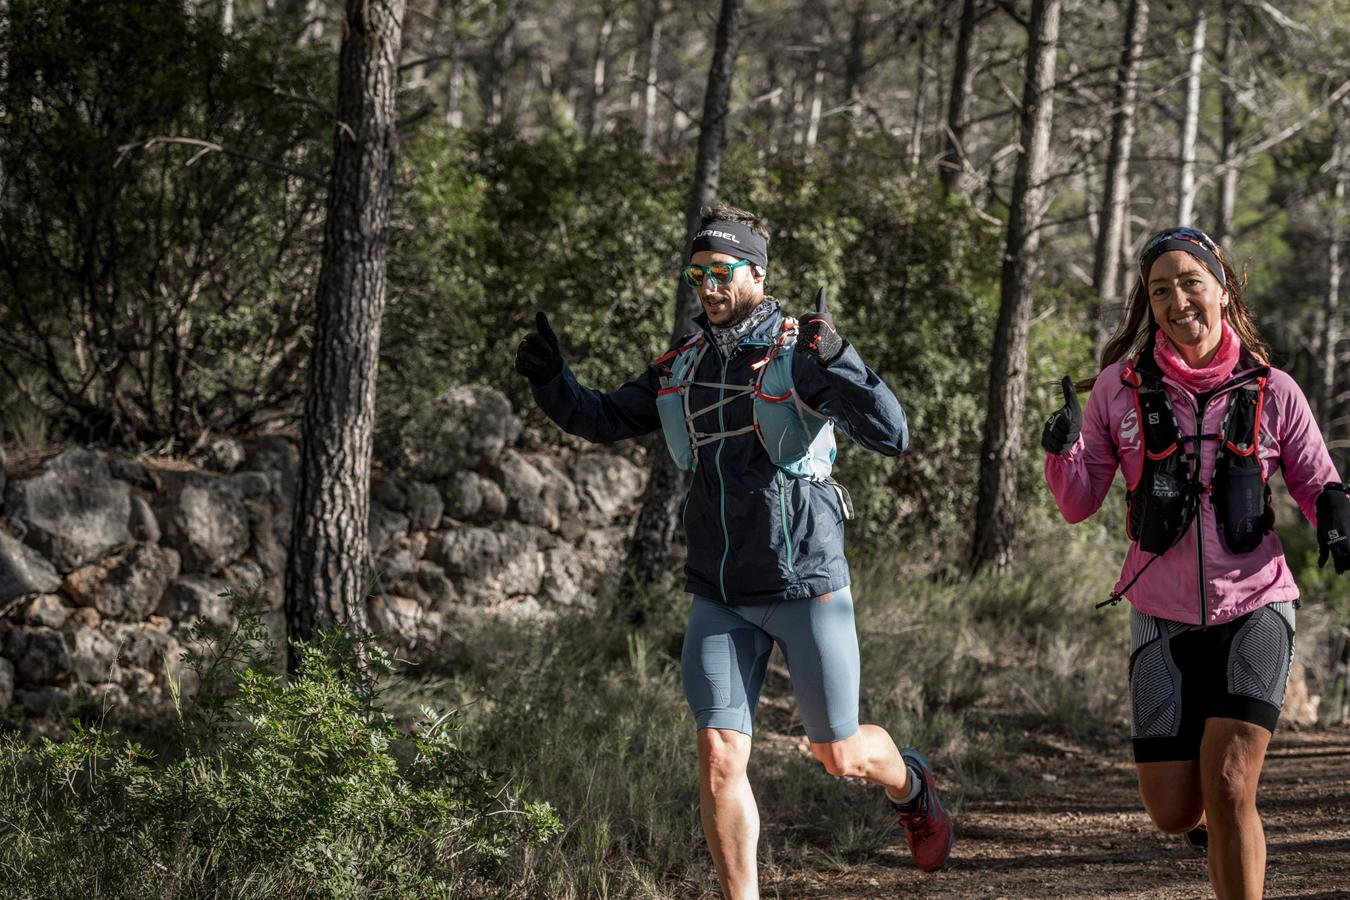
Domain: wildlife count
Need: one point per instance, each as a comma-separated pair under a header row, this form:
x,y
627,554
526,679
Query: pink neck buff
x,y
1197,381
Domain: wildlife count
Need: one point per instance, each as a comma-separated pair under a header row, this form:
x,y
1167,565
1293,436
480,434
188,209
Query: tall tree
x,y
996,508
953,159
1111,234
855,61
595,114
651,68
1332,320
1229,136
649,550
1190,125
326,570
920,99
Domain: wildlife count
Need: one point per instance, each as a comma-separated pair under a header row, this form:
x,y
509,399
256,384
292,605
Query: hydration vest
x,y
1166,497
798,440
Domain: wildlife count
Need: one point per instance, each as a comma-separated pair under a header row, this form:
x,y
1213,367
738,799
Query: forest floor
x,y
1079,831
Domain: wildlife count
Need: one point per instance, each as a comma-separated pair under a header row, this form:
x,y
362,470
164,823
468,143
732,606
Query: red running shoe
x,y
928,828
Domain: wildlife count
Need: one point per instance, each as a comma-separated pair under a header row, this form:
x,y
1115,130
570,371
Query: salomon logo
x,y
1334,536
725,235
1154,418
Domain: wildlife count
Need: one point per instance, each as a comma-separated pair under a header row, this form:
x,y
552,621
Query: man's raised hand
x,y
816,336
538,356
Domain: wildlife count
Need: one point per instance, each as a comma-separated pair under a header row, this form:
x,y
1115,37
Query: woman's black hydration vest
x,y
1162,503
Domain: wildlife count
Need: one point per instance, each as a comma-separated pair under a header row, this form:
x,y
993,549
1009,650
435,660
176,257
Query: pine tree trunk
x,y
649,551
1190,127
920,104
1115,209
1228,184
996,508
652,69
817,100
595,114
1331,307
855,63
312,32
327,567
953,159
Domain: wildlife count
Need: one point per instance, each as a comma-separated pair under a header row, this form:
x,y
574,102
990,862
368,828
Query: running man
x,y
748,404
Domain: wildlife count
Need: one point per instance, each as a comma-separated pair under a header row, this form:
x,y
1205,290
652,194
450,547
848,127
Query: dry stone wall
x,y
106,561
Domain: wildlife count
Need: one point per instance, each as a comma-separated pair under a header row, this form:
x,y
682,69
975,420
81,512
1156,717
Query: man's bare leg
x,y
868,753
727,809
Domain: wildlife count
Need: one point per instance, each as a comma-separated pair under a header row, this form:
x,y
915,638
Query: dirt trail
x,y
1084,834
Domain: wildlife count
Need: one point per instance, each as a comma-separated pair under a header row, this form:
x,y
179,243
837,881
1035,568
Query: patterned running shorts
x,y
1181,675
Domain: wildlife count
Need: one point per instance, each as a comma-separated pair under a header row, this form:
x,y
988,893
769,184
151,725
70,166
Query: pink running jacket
x,y
1198,581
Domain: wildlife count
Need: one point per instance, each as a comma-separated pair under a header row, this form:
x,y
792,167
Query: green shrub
x,y
274,787
156,289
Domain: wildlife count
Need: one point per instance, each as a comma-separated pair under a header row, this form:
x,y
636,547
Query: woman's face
x,y
1187,303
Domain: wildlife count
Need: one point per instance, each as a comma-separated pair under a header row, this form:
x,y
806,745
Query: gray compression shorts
x,y
1181,675
726,651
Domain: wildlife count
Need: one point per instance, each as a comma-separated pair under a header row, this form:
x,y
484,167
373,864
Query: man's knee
x,y
723,755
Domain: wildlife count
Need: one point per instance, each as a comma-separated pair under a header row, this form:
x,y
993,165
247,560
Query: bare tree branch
x,y
211,147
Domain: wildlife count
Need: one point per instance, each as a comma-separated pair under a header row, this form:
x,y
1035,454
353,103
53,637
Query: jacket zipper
x,y
722,483
1224,388
782,508
1199,514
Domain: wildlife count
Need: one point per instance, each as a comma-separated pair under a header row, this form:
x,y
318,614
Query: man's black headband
x,y
1189,240
733,238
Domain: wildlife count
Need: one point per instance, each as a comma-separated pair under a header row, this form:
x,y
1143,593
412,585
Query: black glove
x,y
538,357
1062,428
816,335
1333,527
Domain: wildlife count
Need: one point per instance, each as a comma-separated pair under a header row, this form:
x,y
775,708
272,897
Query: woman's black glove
x,y
538,357
1333,527
816,335
1064,425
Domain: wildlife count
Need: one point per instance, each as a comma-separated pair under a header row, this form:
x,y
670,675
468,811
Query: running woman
x,y
748,404
1190,410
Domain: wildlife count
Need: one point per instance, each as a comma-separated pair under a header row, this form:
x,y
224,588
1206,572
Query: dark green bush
x,y
155,289
270,787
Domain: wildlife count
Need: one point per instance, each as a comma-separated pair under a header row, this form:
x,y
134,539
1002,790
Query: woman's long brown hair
x,y
1137,328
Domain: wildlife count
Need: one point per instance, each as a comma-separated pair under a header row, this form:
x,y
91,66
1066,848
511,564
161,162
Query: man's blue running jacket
x,y
755,533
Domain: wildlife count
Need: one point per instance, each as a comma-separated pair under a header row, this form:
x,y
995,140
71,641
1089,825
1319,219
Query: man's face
x,y
728,304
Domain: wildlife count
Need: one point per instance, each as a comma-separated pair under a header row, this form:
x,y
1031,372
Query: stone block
x,y
128,586
46,611
143,524
94,656
425,506
469,426
39,655
206,521
195,597
23,571
74,512
385,527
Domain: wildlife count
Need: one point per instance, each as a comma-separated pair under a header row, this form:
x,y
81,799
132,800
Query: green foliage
x,y
272,787
155,289
493,227
593,719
